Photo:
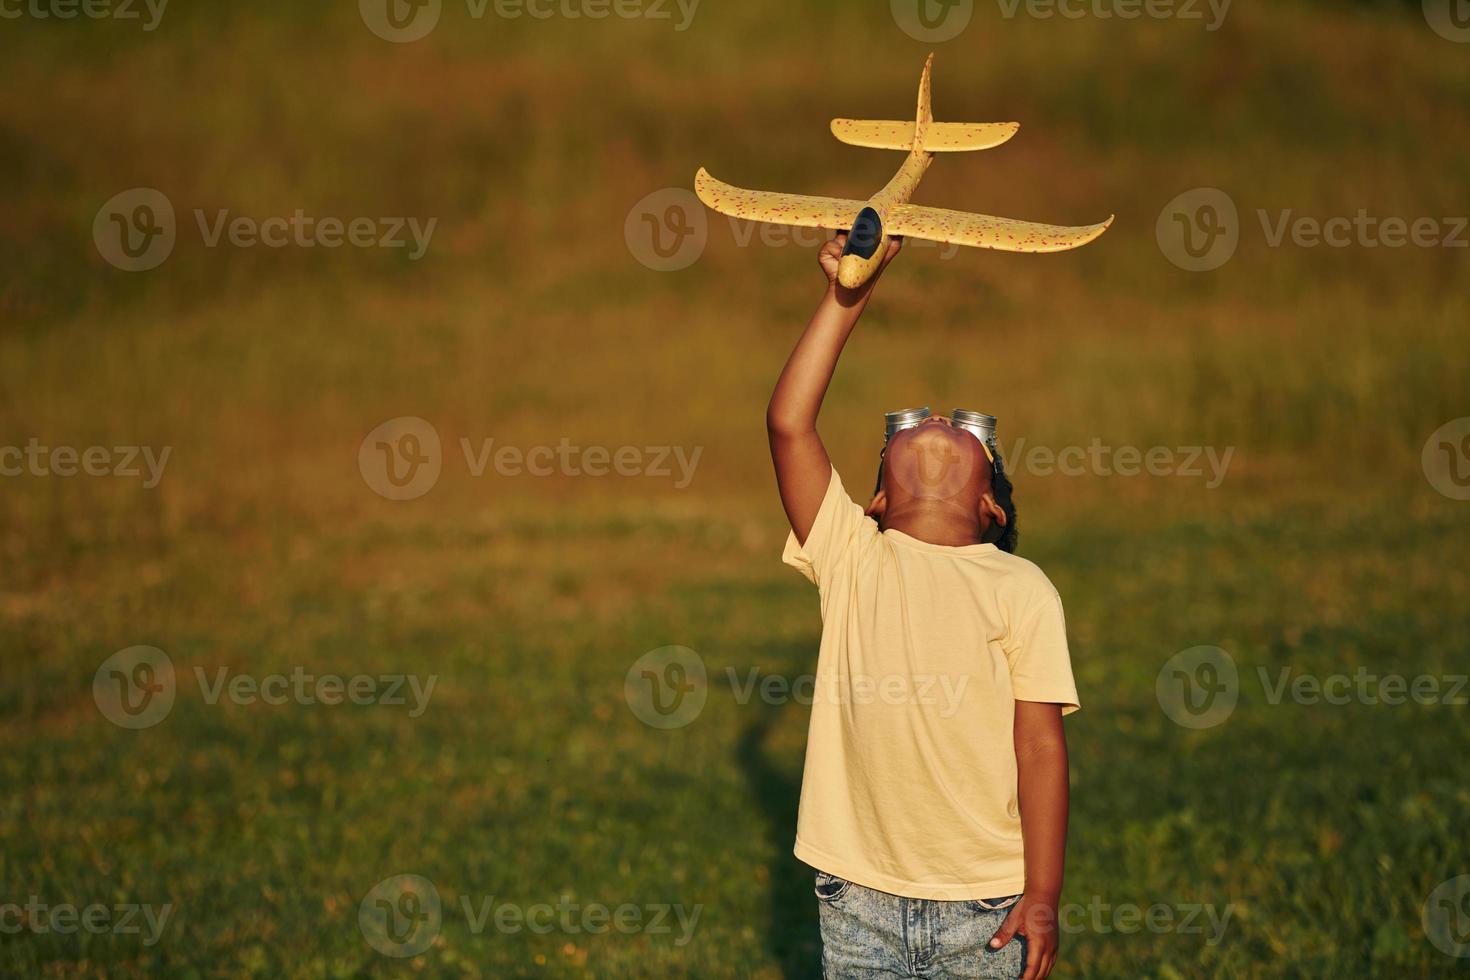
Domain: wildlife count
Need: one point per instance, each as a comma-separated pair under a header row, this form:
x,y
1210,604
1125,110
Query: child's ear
x,y
989,512
878,506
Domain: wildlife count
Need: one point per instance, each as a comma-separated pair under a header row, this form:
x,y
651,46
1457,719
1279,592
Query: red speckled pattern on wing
x,y
987,231
948,136
800,210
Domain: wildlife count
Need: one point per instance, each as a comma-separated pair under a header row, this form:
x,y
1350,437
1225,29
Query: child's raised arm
x,y
802,467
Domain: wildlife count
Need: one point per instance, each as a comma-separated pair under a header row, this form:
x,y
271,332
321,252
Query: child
x,y
934,797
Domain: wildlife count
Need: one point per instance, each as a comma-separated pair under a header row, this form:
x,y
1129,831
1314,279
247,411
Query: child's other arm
x,y
1041,766
802,467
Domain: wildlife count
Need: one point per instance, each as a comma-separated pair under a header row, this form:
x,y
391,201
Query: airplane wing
x,y
833,213
986,231
939,137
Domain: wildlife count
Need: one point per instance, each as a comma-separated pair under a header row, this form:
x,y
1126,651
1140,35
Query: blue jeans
x,y
868,935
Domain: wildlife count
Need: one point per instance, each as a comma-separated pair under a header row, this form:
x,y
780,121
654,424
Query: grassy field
x,y
1320,829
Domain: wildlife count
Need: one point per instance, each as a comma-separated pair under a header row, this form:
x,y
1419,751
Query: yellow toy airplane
x,y
887,213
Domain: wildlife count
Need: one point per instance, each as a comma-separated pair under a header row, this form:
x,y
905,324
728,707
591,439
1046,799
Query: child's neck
x,y
935,527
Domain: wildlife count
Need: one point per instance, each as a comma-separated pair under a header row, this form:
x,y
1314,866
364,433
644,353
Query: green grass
x,y
1322,828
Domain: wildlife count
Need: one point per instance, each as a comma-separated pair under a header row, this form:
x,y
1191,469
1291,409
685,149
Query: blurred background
x,y
385,340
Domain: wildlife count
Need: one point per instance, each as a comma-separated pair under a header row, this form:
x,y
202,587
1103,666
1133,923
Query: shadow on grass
x,y
792,936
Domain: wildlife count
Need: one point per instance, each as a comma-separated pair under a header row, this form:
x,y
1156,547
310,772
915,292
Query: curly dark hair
x,y
1003,538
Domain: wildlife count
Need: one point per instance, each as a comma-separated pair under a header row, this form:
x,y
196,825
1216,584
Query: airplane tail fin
x,y
926,112
923,133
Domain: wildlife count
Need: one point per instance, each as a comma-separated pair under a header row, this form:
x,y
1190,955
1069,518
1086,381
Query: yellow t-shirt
x,y
910,778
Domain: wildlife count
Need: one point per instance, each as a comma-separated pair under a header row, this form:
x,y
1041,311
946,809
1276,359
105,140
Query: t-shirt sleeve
x,y
839,531
1041,666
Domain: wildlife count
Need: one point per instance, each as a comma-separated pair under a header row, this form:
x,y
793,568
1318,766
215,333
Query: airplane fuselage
x,y
867,241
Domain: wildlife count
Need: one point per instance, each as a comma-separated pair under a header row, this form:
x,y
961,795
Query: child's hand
x,y
831,255
1036,919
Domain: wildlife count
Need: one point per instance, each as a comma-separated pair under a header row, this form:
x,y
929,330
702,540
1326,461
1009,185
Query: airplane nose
x,y
850,271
